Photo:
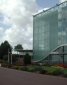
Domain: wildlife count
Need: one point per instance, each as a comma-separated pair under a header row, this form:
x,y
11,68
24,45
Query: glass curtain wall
x,y
49,31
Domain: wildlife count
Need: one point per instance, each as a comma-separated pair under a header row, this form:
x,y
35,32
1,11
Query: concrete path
x,y
15,77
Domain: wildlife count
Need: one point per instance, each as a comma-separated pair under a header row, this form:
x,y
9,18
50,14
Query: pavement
x,y
15,77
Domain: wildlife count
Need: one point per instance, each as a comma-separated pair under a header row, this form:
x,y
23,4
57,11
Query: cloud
x,y
62,1
17,14
41,10
1,31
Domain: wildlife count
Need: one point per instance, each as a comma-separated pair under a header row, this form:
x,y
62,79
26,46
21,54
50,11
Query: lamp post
x,y
9,57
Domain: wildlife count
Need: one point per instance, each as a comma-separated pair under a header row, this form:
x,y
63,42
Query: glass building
x,y
50,33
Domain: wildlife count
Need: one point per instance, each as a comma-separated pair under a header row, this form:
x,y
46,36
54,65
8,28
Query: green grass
x,y
48,68
53,68
65,70
44,68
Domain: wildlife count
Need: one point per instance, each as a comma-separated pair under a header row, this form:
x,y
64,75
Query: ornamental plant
x,y
62,65
58,71
44,71
4,65
27,59
24,68
38,68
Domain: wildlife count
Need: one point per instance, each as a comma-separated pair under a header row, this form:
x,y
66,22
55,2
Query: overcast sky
x,y
16,20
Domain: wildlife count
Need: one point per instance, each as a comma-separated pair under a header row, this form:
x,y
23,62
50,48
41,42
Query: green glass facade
x,y
49,30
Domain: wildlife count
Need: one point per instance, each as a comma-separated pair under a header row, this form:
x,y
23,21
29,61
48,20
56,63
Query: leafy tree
x,y
18,46
4,49
27,59
5,57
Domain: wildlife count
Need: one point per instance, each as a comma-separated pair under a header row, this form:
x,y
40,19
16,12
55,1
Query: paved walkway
x,y
15,77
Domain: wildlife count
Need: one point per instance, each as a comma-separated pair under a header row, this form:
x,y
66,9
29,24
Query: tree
x,y
4,49
18,46
27,59
5,57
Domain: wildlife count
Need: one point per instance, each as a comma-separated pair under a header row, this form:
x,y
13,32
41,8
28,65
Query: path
x,y
15,77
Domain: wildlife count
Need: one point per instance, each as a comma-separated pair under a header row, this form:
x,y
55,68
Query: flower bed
x,y
62,65
57,70
4,65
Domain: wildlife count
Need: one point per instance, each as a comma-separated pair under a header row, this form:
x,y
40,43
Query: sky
x,y
16,20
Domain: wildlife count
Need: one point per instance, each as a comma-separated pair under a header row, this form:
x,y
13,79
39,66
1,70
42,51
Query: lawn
x,y
53,68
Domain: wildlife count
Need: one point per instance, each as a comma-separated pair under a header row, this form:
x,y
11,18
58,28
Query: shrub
x,y
38,68
58,71
17,68
65,75
9,65
4,65
5,57
25,68
13,67
44,71
2,61
20,67
27,59
31,70
49,73
36,64
19,63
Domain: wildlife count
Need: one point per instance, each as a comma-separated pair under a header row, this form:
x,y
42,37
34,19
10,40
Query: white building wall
x,y
23,53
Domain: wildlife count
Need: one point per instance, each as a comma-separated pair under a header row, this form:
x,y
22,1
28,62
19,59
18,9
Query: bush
x,y
5,57
17,68
38,68
25,68
9,65
27,59
2,61
65,75
31,70
4,65
19,63
43,71
20,68
36,64
49,73
59,71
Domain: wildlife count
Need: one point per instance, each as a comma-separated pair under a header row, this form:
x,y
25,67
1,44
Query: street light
x,y
9,57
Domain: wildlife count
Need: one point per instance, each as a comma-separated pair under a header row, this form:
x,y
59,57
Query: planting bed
x,y
57,70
